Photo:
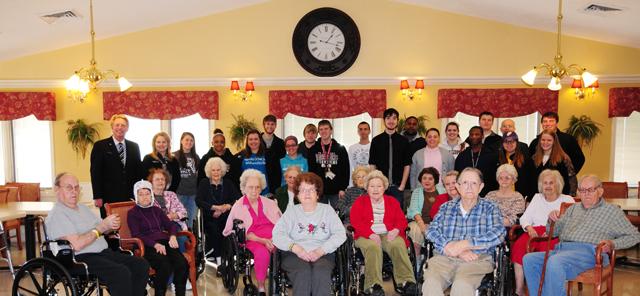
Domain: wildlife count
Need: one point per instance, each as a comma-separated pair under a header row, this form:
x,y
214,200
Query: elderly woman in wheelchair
x,y
379,225
76,258
257,215
308,234
465,233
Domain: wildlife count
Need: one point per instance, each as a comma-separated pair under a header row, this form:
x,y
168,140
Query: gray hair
x,y
215,161
554,174
509,169
252,173
376,174
591,177
292,168
472,170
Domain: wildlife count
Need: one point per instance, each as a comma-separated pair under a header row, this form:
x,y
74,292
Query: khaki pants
x,y
396,249
415,233
463,277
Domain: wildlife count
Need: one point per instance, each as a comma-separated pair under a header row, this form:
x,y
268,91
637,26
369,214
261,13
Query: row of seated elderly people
x,y
463,227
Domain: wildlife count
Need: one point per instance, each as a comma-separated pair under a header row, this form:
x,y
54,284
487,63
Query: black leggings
x,y
165,265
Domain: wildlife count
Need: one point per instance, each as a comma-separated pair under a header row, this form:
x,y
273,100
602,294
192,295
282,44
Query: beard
x,y
410,133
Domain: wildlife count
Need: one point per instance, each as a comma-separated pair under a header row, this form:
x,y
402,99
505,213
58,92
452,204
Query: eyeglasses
x,y
469,183
588,190
307,190
69,188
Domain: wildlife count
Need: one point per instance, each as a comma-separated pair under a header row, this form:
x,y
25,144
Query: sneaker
x,y
188,286
410,288
375,290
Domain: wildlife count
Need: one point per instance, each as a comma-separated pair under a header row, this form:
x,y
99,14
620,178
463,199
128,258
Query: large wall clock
x,y
326,42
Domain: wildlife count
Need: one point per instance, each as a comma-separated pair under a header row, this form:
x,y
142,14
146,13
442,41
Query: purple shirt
x,y
150,225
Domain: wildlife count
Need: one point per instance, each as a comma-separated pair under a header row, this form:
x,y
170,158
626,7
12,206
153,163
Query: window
x,y
3,152
32,151
526,126
345,130
626,152
142,131
197,126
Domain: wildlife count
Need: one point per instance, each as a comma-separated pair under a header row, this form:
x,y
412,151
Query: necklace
x,y
474,163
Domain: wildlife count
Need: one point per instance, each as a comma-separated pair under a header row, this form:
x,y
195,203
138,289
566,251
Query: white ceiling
x,y
22,32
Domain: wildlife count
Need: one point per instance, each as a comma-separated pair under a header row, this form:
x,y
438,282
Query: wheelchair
x,y
55,273
278,282
356,266
236,259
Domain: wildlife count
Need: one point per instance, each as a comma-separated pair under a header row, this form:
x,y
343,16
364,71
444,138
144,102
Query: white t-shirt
x,y
358,155
538,210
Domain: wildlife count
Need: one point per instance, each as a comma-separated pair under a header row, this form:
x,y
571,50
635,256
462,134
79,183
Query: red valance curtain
x,y
161,104
623,101
502,102
14,105
327,103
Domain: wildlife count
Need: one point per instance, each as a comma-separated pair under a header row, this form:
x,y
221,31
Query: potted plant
x,y
239,130
422,127
81,135
584,129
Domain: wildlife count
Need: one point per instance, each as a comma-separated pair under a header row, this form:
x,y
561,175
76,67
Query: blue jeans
x,y
189,203
565,262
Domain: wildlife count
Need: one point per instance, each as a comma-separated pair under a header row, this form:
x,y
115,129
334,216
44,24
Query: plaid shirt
x,y
603,221
482,226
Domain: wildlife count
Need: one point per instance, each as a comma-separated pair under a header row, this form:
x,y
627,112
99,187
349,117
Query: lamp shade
x,y
530,77
124,83
249,86
404,84
235,85
420,84
588,78
554,84
577,83
596,84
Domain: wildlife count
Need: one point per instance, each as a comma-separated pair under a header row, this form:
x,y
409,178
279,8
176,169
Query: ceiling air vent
x,y
601,9
51,18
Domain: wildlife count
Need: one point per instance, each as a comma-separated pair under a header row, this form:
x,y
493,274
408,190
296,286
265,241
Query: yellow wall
x,y
397,40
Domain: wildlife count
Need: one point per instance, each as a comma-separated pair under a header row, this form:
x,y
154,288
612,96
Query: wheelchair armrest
x,y
237,222
133,244
512,232
351,229
536,240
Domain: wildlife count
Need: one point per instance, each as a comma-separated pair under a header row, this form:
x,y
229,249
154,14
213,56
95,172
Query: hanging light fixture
x,y
557,70
87,79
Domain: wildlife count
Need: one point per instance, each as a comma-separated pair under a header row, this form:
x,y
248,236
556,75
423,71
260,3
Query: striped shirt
x,y
378,226
603,221
481,226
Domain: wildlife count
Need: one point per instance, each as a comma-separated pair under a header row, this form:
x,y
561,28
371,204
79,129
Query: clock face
x,y
326,42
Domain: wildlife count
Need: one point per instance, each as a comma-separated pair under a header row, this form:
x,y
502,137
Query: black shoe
x,y
375,290
262,294
410,288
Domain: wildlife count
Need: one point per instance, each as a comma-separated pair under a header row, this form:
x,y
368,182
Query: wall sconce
x,y
409,93
581,91
248,89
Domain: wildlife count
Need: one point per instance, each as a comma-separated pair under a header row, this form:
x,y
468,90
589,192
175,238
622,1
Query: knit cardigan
x,y
361,217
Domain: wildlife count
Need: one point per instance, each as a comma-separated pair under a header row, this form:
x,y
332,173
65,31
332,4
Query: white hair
x,y
252,173
215,161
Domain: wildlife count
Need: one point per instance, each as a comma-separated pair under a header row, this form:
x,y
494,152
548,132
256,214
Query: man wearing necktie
x,y
115,165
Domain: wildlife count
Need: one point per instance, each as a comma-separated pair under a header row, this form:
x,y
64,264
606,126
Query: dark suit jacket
x,y
273,155
173,168
570,146
110,180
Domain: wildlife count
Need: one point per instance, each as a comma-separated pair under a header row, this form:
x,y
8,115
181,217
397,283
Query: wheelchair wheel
x,y
229,264
198,231
341,278
43,276
274,275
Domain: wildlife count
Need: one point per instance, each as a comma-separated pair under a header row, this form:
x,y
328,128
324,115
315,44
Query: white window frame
x,y
375,124
495,128
617,123
165,126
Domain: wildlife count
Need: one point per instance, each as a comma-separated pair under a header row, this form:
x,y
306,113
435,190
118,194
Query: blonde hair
x,y
509,169
554,174
376,174
213,162
293,168
155,152
118,116
361,168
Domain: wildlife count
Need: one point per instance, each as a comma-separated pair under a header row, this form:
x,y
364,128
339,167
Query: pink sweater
x,y
241,211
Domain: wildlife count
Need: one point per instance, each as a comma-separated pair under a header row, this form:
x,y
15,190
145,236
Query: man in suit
x,y
115,166
568,143
273,153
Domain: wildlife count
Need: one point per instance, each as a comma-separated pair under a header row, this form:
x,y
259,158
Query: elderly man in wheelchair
x,y
75,229
465,233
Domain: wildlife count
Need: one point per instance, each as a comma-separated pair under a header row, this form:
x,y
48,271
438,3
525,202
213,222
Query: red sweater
x,y
361,216
440,199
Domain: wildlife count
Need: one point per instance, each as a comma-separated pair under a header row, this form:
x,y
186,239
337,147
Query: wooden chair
x,y
615,190
12,195
596,276
136,245
29,192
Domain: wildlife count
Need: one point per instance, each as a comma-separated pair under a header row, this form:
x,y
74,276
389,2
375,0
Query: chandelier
x,y
557,70
87,79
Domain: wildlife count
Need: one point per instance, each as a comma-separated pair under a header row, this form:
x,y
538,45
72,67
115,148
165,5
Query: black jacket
x,y
206,197
110,180
570,146
527,183
487,164
273,155
339,160
173,168
233,162
565,169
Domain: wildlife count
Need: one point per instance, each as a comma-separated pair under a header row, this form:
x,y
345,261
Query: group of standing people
x,y
285,192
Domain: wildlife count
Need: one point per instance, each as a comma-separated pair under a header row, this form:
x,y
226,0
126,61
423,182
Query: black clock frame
x,y
351,36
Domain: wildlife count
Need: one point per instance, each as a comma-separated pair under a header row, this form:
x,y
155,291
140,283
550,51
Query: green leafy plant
x,y
81,135
584,129
239,130
422,127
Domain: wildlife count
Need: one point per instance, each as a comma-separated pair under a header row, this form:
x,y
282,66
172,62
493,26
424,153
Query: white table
x,y
32,209
626,204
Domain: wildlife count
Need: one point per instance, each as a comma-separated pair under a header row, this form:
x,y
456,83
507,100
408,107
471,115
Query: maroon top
x,y
150,225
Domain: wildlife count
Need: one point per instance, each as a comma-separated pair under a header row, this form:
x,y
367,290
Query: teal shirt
x,y
287,161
